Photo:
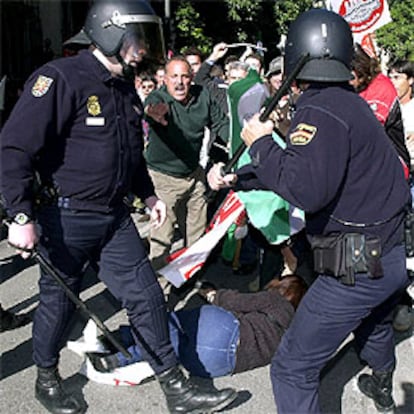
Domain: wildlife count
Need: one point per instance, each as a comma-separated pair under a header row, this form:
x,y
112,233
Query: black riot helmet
x,y
114,24
327,38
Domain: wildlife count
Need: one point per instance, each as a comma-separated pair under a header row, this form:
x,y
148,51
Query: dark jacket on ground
x,y
263,319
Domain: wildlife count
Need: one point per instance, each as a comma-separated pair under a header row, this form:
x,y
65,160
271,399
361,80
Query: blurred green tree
x,y
397,37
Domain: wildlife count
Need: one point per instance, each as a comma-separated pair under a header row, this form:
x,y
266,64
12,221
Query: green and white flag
x,y
268,212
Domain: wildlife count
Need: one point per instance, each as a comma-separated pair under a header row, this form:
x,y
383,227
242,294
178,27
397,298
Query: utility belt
x,y
46,195
341,255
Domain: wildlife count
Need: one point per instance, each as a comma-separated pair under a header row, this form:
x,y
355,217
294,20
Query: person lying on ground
x,y
235,333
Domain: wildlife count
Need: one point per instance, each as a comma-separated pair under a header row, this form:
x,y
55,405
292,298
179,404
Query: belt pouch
x,y
329,255
373,257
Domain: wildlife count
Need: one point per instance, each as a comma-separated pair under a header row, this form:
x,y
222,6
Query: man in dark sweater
x,y
178,114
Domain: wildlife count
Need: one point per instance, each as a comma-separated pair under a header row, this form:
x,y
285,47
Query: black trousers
x,y
70,239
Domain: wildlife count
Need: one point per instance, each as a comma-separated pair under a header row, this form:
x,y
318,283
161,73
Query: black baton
x,y
79,303
43,262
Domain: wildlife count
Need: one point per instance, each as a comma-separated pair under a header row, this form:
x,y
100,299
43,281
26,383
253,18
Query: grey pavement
x,y
19,293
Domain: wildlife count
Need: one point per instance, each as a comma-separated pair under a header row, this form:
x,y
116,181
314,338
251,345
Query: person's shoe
x,y
103,362
402,318
9,320
378,386
183,396
49,392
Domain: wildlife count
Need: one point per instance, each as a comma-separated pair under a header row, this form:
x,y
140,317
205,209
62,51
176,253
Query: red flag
x,y
188,261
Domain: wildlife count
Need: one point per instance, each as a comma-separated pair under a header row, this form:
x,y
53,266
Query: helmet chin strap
x,y
128,71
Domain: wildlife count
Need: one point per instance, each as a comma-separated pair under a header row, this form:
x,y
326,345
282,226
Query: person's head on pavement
x,y
291,287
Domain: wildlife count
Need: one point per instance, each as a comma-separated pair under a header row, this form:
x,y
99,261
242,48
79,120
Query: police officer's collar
x,y
98,68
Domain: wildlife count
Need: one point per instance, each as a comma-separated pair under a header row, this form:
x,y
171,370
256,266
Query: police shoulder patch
x,y
302,134
41,86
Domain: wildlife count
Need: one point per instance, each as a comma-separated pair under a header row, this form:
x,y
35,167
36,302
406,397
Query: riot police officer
x,y
77,127
341,169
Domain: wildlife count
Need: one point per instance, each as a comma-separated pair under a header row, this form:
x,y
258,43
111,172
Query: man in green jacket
x,y
178,114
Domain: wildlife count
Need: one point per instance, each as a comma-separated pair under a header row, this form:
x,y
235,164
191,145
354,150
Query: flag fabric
x,y
276,219
363,17
273,216
245,98
188,261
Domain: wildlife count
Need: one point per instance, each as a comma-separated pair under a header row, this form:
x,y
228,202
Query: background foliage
x,y
397,37
205,23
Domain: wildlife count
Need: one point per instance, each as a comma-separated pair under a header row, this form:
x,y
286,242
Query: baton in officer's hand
x,y
50,269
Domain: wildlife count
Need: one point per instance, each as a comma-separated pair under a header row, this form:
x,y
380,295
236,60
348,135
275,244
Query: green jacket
x,y
175,149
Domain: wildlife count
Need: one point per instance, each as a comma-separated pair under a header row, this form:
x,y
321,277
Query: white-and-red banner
x,y
363,16
188,261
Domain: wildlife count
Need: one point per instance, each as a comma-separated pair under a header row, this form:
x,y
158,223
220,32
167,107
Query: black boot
x,y
49,392
103,362
378,386
183,396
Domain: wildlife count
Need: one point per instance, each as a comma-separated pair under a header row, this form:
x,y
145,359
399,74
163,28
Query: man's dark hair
x,y
256,56
216,71
192,50
403,66
230,58
291,287
147,76
365,67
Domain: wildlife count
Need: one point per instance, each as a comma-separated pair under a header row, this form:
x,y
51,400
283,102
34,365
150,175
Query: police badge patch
x,y
302,134
93,106
41,86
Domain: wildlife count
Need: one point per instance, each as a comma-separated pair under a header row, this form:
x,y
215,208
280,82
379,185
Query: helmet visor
x,y
146,39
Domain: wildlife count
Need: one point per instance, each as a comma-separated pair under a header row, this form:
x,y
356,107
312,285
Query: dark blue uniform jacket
x,y
80,127
339,167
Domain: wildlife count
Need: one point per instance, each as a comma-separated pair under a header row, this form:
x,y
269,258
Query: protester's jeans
x,y
205,340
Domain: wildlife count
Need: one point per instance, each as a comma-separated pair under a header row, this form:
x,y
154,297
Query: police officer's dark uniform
x,y
79,128
340,167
